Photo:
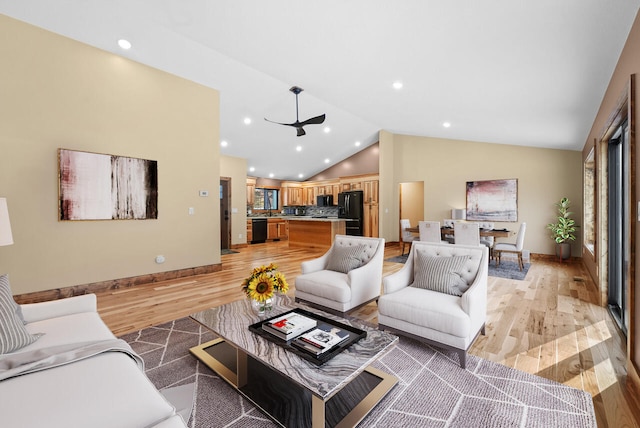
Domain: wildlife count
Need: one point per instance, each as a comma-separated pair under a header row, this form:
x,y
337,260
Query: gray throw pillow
x,y
442,274
344,259
13,334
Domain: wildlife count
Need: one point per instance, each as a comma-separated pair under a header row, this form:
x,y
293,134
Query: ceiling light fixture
x,y
271,175
223,143
327,129
357,143
397,85
124,44
300,175
446,124
298,148
327,160
247,120
251,169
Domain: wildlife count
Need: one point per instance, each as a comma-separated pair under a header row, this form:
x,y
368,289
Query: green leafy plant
x,y
563,230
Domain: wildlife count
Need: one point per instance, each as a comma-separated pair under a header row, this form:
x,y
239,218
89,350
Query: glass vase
x,y
262,308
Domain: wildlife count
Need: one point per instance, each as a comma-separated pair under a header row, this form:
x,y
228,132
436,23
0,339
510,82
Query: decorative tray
x,y
355,334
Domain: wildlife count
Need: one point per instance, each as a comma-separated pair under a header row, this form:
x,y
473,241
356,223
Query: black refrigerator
x,y
351,208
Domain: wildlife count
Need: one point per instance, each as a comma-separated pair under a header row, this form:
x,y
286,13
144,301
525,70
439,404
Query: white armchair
x,y
450,318
346,277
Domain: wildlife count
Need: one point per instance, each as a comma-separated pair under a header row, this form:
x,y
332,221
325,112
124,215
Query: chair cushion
x,y
344,259
13,334
327,284
442,274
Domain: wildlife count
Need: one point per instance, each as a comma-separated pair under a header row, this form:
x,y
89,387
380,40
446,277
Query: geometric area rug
x,y
432,391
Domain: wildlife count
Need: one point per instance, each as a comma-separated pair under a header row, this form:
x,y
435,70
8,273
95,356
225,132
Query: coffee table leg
x,y
317,412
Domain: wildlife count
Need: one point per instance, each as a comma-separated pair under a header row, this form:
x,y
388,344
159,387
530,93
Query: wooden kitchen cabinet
x,y
277,229
251,190
249,231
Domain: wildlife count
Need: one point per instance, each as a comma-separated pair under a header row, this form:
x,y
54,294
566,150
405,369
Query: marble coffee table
x,y
291,390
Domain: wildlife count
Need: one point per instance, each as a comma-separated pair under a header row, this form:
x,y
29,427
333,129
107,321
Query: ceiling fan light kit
x,y
297,124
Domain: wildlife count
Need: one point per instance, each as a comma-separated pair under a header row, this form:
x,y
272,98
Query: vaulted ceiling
x,y
527,73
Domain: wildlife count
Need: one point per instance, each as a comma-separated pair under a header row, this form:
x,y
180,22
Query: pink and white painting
x,y
105,187
492,200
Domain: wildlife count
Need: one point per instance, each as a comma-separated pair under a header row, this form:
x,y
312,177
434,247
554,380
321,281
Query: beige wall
x,y
236,169
56,93
363,162
544,176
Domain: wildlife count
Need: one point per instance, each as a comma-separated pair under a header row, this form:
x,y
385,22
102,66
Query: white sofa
x,y
443,319
333,284
108,389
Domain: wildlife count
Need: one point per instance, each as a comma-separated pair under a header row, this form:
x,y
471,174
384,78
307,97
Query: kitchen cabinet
x,y
251,190
371,224
370,188
277,229
249,231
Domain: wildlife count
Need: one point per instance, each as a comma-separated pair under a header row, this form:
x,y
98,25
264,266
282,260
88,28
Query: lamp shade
x,y
5,226
458,214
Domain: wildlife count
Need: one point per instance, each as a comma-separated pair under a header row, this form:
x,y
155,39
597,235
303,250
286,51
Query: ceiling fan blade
x,y
314,120
301,132
280,123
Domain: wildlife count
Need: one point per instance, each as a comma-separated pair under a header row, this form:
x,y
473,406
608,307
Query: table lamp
x,y
6,238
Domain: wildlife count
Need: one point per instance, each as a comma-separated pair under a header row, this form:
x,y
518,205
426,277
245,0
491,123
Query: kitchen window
x,y
266,199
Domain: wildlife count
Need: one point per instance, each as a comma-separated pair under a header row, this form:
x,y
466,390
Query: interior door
x,y
225,218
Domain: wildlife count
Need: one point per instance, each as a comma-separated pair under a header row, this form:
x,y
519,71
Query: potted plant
x,y
563,230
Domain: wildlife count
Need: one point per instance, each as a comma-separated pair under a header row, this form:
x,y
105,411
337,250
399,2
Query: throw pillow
x,y
13,334
344,259
442,274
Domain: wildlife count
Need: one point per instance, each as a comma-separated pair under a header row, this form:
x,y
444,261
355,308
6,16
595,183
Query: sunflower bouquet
x,y
264,282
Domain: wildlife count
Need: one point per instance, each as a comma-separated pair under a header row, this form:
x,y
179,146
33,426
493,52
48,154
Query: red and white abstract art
x,y
492,200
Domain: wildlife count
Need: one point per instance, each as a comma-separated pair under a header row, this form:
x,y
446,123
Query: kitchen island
x,y
313,232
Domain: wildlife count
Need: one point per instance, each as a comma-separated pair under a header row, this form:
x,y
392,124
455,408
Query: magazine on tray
x,y
289,325
321,339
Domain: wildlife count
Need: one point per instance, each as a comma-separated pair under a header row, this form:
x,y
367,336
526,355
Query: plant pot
x,y
563,251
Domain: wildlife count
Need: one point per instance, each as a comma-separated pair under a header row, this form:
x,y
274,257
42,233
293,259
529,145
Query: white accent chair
x,y
434,317
466,233
503,247
407,237
430,231
339,292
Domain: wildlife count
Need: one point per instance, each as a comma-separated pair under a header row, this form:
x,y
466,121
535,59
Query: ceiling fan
x,y
297,124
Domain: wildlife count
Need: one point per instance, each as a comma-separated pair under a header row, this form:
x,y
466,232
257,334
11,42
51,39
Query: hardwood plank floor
x,y
549,324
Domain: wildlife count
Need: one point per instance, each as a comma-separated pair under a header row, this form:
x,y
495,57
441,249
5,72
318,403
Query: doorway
x,y
225,218
619,263
412,202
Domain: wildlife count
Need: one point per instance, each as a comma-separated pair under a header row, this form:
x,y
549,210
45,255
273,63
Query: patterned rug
x,y
433,391
507,269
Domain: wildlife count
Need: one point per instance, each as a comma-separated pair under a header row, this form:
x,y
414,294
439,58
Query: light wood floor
x,y
548,324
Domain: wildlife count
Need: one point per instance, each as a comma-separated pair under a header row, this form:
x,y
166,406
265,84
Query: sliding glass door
x,y
619,168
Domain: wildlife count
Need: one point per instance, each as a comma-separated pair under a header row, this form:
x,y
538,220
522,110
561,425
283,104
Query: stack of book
x,y
289,325
321,339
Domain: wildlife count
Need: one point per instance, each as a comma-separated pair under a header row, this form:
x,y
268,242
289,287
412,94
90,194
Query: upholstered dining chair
x,y
430,231
407,237
466,233
347,276
503,247
487,241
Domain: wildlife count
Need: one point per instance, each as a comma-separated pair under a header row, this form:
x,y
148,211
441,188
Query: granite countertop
x,y
299,217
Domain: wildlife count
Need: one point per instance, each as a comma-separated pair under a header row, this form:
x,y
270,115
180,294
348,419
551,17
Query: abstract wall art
x,y
492,200
96,186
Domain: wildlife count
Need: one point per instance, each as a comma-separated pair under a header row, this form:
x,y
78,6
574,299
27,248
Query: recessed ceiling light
x,y
271,175
446,124
223,143
397,85
327,129
357,143
124,44
300,175
247,120
327,160
252,168
298,148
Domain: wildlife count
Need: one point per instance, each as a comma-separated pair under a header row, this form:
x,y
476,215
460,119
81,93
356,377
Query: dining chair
x,y
430,231
407,236
448,237
487,241
503,247
466,233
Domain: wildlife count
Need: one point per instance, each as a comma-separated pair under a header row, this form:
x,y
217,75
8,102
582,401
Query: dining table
x,y
496,233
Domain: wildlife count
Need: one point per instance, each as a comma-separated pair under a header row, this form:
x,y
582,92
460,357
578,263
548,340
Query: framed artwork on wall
x,y
96,186
492,200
